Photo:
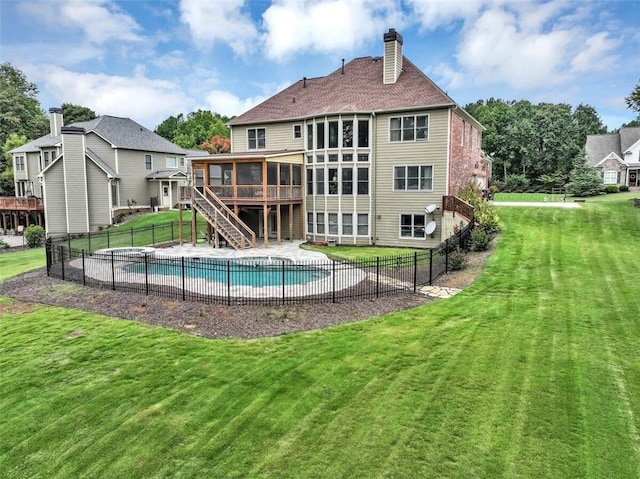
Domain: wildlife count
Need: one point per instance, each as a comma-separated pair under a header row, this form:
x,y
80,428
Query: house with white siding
x,y
365,155
90,172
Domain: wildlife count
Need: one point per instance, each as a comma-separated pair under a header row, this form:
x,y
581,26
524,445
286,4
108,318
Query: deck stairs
x,y
223,220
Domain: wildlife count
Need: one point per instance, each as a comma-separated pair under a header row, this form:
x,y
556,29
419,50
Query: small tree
x,y
217,144
584,180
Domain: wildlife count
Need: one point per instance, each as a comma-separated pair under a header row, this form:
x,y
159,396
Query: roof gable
x,y
610,156
356,88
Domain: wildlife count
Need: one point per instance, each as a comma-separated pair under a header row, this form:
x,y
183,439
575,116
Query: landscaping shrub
x,y
457,261
611,189
486,216
480,239
34,236
516,182
623,188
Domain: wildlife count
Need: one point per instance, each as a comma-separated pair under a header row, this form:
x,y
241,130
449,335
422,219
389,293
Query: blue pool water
x,y
257,271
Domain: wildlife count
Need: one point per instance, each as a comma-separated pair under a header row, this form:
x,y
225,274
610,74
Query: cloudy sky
x,y
149,59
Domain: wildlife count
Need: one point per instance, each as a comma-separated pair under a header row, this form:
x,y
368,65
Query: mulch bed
x,y
215,321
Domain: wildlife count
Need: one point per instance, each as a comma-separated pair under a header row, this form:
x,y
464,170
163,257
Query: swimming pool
x,y
246,271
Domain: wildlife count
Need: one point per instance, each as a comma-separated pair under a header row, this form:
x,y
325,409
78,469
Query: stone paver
x,y
439,292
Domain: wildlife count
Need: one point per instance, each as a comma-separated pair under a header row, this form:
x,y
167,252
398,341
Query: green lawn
x,y
542,197
14,263
532,372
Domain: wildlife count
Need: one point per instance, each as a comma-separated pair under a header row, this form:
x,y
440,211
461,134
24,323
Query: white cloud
x,y
598,54
226,103
220,21
100,20
324,26
146,100
496,48
432,14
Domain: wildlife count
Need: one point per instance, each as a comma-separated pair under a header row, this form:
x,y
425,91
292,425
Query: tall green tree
x,y
535,143
20,110
6,163
74,113
633,100
196,128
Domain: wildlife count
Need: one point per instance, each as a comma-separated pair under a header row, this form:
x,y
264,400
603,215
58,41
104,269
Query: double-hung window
x,y
19,163
347,223
410,178
363,224
610,177
172,162
412,226
409,128
256,138
297,131
147,162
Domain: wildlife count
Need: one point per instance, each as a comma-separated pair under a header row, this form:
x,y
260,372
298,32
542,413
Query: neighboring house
x,y
616,156
354,157
90,172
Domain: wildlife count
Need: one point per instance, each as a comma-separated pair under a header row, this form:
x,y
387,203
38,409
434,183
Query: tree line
x,y
530,144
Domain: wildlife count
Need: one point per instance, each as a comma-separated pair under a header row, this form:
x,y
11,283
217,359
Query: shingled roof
x,y
359,89
120,132
599,146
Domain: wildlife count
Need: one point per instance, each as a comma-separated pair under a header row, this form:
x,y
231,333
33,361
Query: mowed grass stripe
x,y
530,372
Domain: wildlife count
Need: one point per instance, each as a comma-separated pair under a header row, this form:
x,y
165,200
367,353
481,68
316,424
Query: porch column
x,y
193,226
278,225
290,222
180,222
265,224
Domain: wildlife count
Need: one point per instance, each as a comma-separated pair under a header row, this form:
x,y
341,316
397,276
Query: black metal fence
x,y
245,280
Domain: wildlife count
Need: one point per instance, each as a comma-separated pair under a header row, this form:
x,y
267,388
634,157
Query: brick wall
x,y
466,158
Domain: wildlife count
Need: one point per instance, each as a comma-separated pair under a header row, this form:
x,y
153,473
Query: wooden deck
x,y
12,203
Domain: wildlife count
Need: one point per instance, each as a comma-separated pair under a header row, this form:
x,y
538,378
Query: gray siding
x,y
133,183
98,185
101,148
55,202
76,183
278,136
389,204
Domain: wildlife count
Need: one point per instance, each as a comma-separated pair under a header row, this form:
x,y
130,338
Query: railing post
x,y
113,273
415,271
89,242
108,239
377,276
84,276
48,245
146,274
184,292
283,283
228,283
69,241
333,288
62,259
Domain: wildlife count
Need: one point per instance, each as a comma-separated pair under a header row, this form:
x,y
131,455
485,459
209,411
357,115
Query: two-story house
x,y
616,156
90,172
362,156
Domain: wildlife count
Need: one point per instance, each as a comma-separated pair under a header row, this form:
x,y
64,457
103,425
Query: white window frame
x,y
420,178
260,143
348,230
359,224
297,131
606,177
171,161
150,164
417,231
20,163
404,128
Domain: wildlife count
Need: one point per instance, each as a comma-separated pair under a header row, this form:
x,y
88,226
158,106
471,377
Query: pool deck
x,y
289,249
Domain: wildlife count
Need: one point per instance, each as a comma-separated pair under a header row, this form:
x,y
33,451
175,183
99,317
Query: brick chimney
x,y
392,56
55,121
